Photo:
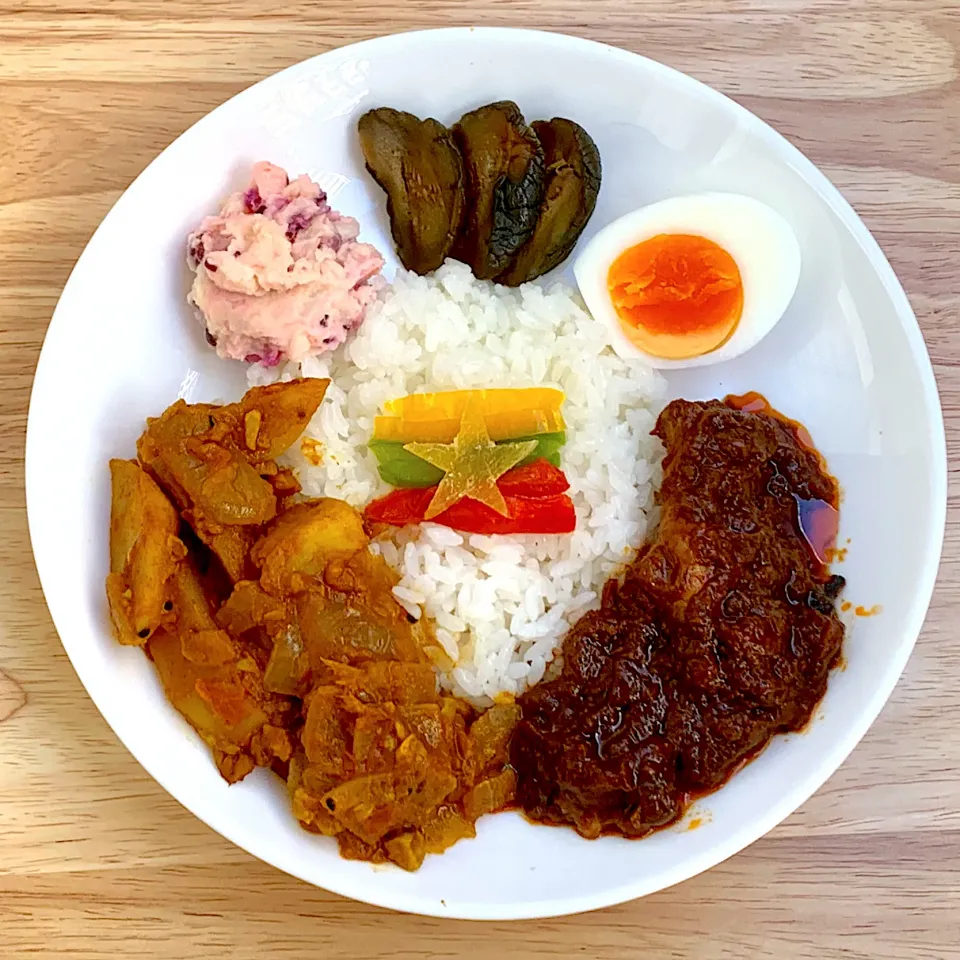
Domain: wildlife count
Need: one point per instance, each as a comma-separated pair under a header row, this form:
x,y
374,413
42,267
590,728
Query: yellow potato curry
x,y
274,631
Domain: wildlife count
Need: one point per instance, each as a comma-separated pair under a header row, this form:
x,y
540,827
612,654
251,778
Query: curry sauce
x,y
721,633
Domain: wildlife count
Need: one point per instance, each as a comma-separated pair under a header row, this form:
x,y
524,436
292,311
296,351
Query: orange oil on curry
x,y
861,611
754,402
312,451
696,823
818,520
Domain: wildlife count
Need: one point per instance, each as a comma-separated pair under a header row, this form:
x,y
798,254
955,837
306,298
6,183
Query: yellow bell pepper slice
x,y
450,404
500,426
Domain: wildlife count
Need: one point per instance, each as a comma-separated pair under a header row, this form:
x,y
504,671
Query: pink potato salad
x,y
279,274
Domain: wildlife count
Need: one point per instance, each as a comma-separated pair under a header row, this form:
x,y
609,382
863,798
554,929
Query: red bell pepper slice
x,y
535,495
543,515
534,480
401,506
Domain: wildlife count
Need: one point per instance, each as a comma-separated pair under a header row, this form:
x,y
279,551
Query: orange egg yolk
x,y
677,296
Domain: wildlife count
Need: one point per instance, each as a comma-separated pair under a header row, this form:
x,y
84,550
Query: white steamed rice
x,y
501,605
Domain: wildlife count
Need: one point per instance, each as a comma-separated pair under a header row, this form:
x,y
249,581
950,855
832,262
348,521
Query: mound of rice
x,y
501,605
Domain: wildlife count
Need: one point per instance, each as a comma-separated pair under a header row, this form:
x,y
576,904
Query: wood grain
x,y
96,861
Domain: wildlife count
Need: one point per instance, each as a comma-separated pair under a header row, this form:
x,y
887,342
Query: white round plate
x,y
847,360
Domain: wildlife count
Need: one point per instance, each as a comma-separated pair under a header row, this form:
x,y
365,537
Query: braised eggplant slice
x,y
504,164
572,184
419,167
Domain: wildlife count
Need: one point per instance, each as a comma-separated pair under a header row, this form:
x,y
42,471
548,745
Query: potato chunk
x,y
144,552
214,699
198,463
273,417
303,540
407,849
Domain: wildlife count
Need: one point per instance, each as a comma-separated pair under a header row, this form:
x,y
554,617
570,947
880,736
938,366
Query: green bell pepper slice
x,y
401,468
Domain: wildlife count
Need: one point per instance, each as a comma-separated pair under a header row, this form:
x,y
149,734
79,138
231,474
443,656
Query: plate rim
x,y
923,586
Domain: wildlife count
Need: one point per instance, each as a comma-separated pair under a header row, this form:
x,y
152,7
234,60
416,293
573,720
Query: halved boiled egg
x,y
691,280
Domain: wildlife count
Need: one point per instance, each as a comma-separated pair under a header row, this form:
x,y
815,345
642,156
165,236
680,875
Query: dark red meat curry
x,y
721,633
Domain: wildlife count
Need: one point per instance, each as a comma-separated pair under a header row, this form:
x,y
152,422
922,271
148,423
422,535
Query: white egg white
x,y
761,242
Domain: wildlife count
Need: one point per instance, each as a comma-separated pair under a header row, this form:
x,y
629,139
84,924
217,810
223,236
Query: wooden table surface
x,y
96,861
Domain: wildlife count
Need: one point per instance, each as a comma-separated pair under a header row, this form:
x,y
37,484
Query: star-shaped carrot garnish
x,y
471,465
